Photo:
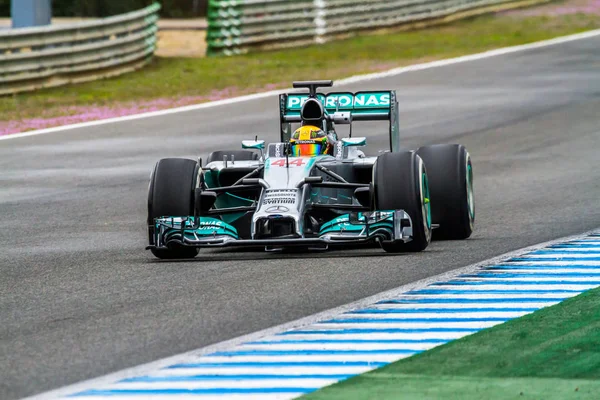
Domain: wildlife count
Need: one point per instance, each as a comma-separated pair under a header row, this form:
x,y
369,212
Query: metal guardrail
x,y
33,58
239,26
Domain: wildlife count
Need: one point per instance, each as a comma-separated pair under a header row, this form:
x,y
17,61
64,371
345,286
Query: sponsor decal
x,y
296,101
211,223
277,209
280,200
371,100
280,197
276,192
343,101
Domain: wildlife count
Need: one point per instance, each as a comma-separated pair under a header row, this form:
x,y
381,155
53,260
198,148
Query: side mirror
x,y
253,144
351,142
203,201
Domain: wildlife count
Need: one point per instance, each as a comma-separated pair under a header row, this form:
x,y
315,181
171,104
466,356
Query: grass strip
x,y
421,387
169,82
553,353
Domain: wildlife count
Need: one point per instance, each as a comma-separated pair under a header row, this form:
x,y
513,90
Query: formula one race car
x,y
313,189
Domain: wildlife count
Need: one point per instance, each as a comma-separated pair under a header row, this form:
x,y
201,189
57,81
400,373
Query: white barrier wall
x,y
33,58
239,26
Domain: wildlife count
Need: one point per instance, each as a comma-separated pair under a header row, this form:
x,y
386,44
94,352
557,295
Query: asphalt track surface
x,y
79,296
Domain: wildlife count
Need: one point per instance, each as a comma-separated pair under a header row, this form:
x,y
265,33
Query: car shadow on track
x,y
258,254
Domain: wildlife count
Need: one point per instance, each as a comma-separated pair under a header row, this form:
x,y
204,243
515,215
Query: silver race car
x,y
314,189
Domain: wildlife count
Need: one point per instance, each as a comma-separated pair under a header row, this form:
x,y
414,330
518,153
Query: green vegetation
x,y
553,353
420,387
217,77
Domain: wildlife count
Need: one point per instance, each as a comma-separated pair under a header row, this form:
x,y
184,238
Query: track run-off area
x,y
80,298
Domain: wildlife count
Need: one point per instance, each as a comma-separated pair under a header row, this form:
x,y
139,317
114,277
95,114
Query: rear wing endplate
x,y
363,106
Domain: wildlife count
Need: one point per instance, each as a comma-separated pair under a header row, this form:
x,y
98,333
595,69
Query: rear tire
x,y
171,193
400,183
451,181
238,155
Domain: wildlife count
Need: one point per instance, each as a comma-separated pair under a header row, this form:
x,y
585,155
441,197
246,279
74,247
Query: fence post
x,y
320,21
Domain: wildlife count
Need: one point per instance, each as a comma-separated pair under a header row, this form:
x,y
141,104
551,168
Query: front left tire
x,y
171,193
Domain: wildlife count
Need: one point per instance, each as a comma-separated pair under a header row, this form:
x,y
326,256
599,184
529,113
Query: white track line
x,y
278,383
346,81
574,250
403,325
536,279
390,314
484,296
416,346
558,271
499,306
551,263
424,336
553,256
224,371
321,358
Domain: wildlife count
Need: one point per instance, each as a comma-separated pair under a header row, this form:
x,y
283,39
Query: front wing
x,y
355,228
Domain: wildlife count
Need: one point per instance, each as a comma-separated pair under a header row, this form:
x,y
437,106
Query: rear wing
x,y
362,106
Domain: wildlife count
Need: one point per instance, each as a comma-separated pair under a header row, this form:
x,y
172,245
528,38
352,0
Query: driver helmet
x,y
310,141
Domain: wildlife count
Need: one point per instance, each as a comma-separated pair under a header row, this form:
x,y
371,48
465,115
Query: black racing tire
x,y
400,183
238,155
171,193
451,186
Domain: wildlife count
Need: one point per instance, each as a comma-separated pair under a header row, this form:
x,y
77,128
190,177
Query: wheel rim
x,y
426,200
470,196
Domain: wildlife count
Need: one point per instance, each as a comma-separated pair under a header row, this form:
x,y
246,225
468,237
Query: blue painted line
x,y
513,283
558,258
375,330
209,378
410,320
575,246
350,341
471,301
541,266
565,251
495,291
437,310
536,275
589,239
304,352
278,364
155,392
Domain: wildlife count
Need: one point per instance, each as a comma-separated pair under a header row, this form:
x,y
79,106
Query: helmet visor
x,y
308,149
